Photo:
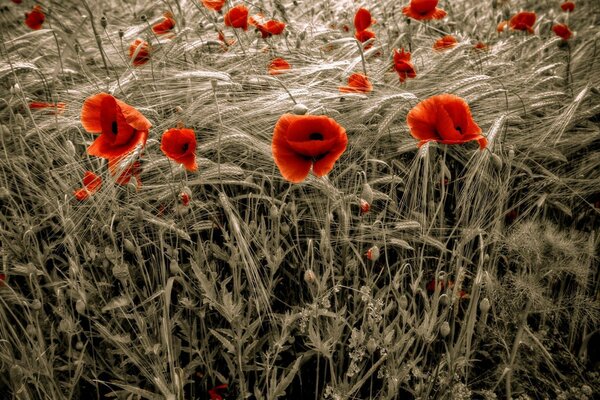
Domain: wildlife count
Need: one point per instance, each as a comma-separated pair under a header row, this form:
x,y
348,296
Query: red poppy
x,y
215,5
17,1
480,46
563,31
365,207
445,42
266,28
362,19
121,127
35,18
278,66
180,146
501,26
302,141
237,17
403,66
424,10
91,184
522,21
442,285
363,36
124,171
444,118
225,41
165,26
139,52
40,105
214,392
568,6
185,198
357,83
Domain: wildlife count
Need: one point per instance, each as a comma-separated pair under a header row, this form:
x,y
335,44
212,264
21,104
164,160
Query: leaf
x,y
224,341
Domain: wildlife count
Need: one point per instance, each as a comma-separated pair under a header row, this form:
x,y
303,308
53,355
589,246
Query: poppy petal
x,y
104,145
133,117
92,111
325,165
362,19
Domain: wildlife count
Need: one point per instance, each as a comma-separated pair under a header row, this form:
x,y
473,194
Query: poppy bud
x,y
4,131
174,268
79,346
14,89
4,193
371,346
445,329
70,148
80,307
299,109
367,193
373,253
484,305
185,196
103,22
364,206
309,276
143,18
36,305
31,330
444,299
20,120
496,161
511,153
403,302
121,33
285,229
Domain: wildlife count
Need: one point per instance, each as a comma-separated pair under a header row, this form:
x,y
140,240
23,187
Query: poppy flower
x,y
35,18
17,1
423,10
214,392
563,31
180,146
237,17
165,26
362,19
363,36
125,171
446,119
403,66
185,198
567,6
215,5
445,42
442,285
91,184
139,52
522,21
121,127
266,28
501,26
480,46
357,83
365,207
40,105
278,66
302,141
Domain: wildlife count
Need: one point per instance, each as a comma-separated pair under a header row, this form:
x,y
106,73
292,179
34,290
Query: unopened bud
x,y
299,109
143,18
365,207
371,346
129,246
445,329
373,253
496,161
103,22
484,305
309,276
403,302
121,33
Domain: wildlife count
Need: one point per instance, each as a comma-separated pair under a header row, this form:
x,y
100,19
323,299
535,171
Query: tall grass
x,y
264,285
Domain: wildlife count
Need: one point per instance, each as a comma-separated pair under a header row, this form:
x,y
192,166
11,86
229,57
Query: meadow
x,y
207,199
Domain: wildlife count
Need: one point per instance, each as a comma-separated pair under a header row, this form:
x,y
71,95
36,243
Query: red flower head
x,y
522,21
124,171
445,42
35,18
424,10
563,31
17,1
139,52
445,118
214,392
363,36
237,17
165,26
302,141
357,83
278,66
215,5
121,127
91,184
52,108
568,6
266,28
501,26
362,19
180,146
480,46
2,276
403,66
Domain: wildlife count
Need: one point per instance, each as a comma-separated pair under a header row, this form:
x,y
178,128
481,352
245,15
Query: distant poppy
x,y
445,42
563,31
446,119
35,18
278,66
17,1
237,17
480,46
185,198
373,253
214,392
121,127
363,36
365,207
424,10
165,26
215,5
567,6
55,108
362,19
302,141
403,66
91,184
345,28
125,171
2,276
442,285
357,83
501,26
139,52
180,146
522,21
266,28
